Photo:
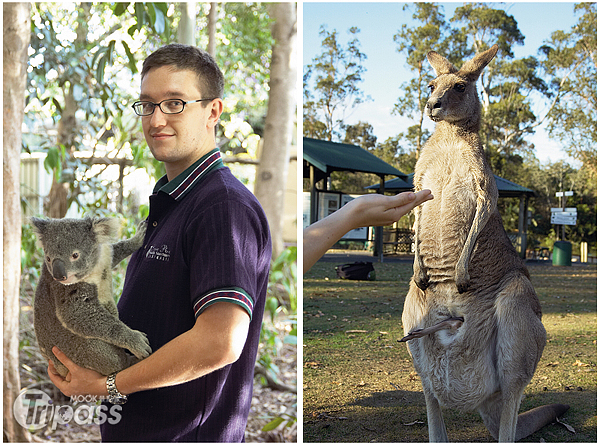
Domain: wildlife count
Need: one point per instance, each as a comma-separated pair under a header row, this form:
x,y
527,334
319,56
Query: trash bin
x,y
561,254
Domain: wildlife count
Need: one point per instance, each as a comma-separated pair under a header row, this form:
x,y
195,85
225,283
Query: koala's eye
x,y
459,87
74,255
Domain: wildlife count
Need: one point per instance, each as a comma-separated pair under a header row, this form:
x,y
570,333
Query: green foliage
x,y
31,258
281,299
338,71
570,60
82,79
285,417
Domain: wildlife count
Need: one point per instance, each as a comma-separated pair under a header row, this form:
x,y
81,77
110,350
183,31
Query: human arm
x,y
216,340
366,210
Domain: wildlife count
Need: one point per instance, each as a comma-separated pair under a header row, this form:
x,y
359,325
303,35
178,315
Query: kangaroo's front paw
x,y
140,347
462,282
421,280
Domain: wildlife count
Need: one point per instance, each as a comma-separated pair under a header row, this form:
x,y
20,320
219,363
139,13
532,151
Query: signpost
x,y
567,216
561,253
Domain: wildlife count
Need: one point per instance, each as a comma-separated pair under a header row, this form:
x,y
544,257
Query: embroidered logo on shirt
x,y
160,254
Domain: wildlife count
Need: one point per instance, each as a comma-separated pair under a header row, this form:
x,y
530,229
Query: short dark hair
x,y
187,57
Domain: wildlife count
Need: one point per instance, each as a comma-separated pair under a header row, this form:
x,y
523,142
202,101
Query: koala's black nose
x,y
59,271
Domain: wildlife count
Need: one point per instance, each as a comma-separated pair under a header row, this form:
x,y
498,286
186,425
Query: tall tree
x,y
16,41
271,176
505,85
74,81
56,204
186,31
434,34
570,60
212,29
338,71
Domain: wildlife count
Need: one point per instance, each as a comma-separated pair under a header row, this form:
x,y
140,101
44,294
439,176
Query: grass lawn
x,y
360,384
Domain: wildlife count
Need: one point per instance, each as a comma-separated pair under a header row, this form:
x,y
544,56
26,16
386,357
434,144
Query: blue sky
x,y
386,70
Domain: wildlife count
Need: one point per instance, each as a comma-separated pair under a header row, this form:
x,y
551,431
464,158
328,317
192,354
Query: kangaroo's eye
x,y
459,87
431,87
48,259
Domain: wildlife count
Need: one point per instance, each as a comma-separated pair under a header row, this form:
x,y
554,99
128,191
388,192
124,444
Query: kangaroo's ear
x,y
473,68
440,64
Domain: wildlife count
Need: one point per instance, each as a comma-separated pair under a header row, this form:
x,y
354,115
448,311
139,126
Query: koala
x,y
74,307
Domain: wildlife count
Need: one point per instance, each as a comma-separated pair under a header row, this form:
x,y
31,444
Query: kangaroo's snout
x,y
432,104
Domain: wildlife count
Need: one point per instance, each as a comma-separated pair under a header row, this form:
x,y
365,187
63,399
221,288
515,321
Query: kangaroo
x,y
472,319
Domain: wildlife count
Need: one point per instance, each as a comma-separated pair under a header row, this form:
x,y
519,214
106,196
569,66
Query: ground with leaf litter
x,y
359,384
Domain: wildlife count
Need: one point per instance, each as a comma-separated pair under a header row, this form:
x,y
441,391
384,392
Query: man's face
x,y
178,140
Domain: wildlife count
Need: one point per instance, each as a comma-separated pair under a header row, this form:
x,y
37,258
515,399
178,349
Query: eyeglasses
x,y
167,106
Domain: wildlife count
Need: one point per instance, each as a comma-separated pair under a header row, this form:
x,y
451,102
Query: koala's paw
x,y
140,346
140,233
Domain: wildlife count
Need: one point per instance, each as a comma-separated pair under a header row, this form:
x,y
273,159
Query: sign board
x,y
567,217
559,194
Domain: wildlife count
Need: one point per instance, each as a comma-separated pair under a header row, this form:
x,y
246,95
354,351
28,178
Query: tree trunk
x,y
57,202
271,175
186,31
17,29
212,30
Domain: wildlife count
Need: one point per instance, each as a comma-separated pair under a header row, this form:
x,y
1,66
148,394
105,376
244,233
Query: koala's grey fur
x,y
74,307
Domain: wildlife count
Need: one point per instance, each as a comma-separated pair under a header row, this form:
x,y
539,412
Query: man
x,y
197,287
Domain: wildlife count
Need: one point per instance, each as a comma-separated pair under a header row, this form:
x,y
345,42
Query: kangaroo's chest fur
x,y
448,168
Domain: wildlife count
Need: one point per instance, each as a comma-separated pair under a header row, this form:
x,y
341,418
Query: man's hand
x,y
381,210
78,381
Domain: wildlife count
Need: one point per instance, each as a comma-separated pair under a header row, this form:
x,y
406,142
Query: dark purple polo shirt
x,y
207,241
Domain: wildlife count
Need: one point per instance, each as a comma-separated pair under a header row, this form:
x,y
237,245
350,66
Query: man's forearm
x,y
320,236
191,355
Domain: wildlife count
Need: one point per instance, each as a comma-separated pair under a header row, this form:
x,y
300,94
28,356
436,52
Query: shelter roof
x,y
332,156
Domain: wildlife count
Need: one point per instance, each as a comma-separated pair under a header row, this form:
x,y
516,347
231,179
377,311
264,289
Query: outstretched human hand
x,y
380,210
366,210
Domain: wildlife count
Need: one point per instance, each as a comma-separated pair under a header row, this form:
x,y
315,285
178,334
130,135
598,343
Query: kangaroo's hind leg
x,y
527,423
520,340
435,419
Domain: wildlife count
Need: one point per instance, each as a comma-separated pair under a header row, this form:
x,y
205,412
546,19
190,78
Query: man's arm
x,y
216,340
366,210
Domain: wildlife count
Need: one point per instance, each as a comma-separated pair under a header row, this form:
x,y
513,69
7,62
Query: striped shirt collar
x,y
185,181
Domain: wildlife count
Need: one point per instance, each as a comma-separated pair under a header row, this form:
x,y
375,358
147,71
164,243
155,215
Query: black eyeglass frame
x,y
139,102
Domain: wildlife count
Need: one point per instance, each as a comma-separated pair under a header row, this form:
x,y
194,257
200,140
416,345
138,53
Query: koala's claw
x,y
142,348
140,234
141,228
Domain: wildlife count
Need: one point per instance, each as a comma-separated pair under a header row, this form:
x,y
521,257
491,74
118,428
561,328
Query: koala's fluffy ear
x,y
39,225
106,229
